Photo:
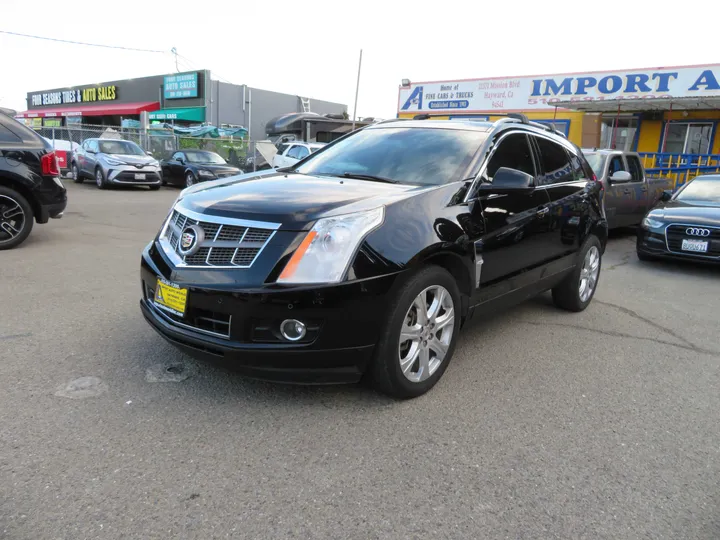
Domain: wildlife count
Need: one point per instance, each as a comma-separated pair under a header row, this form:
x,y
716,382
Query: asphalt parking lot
x,y
602,424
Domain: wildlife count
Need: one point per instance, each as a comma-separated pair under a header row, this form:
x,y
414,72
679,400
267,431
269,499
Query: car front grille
x,y
227,243
675,234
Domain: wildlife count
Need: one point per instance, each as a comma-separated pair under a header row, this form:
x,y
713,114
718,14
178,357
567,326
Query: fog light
x,y
292,329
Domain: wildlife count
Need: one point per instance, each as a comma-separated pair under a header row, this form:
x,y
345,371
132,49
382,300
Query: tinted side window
x,y
94,146
513,152
8,136
302,152
177,156
294,151
555,163
635,168
616,164
282,148
577,167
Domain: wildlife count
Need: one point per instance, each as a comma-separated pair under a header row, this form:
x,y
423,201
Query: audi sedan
x,y
685,225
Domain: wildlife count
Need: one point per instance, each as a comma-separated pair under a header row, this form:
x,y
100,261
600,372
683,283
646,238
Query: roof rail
x,y
547,128
516,116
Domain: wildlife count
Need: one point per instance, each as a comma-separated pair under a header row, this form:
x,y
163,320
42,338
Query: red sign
x,y
61,158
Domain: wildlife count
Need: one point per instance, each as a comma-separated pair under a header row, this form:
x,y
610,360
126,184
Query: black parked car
x,y
30,185
189,167
369,255
685,225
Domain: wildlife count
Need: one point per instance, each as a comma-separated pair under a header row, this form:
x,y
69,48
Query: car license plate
x,y
699,246
170,297
139,176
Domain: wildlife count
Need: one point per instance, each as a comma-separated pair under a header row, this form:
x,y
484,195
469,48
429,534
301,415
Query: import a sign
x,y
181,85
541,92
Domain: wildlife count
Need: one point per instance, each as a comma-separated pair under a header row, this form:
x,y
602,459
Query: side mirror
x,y
512,179
620,177
181,161
149,153
91,151
666,195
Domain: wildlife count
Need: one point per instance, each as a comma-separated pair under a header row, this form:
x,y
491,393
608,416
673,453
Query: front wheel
x,y
100,179
189,179
577,289
16,218
419,336
76,174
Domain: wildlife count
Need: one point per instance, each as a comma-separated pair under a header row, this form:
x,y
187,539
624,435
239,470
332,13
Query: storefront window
x,y
618,133
688,138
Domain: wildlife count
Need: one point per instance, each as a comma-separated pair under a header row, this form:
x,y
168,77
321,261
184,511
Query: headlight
x,y
325,253
651,223
155,163
203,172
115,162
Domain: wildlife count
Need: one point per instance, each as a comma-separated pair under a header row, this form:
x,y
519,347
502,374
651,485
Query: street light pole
x,y
357,89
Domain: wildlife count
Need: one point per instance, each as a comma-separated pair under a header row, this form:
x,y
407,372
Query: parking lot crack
x,y
685,345
636,315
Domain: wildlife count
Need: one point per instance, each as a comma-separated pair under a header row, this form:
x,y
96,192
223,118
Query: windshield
x,y
701,190
121,147
205,157
405,155
597,162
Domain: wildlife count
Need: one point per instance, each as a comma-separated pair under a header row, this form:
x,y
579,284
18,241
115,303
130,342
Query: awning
x,y
190,114
643,104
105,109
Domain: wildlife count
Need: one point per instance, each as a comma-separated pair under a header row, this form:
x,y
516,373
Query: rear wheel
x,y
16,218
418,338
577,290
76,174
100,179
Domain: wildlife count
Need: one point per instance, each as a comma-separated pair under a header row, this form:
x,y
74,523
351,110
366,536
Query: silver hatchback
x,y
115,161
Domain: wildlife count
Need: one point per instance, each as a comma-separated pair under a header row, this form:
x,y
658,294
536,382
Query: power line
x,y
80,42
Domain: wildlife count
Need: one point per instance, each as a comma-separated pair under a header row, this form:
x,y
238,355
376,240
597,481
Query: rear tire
x,y
16,218
407,368
576,291
76,174
100,180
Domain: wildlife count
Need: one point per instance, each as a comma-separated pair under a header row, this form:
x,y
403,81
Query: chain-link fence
x,y
161,142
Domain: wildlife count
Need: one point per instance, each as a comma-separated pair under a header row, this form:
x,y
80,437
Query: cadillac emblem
x,y
190,240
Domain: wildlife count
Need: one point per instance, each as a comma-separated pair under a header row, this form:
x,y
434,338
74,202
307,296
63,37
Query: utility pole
x,y
174,51
357,89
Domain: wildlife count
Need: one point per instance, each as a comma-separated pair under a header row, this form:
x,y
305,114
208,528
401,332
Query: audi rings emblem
x,y
190,240
694,231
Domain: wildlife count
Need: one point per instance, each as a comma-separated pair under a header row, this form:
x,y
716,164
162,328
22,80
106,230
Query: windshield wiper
x,y
370,177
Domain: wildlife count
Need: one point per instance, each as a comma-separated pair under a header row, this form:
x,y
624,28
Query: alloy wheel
x,y
426,333
12,218
189,180
589,273
99,178
75,172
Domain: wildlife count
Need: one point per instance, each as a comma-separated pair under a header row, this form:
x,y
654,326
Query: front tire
x,y
100,181
76,174
419,336
190,179
16,218
576,291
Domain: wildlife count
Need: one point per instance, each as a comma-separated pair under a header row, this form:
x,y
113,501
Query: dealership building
x,y
664,110
177,98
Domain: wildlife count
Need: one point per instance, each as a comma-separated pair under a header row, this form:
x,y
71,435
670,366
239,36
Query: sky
x,y
311,49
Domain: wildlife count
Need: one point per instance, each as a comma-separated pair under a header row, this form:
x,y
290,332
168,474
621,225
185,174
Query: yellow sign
x,y
171,297
101,93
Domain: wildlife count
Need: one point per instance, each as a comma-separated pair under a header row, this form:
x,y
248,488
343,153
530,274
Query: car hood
x,y
688,213
131,159
293,200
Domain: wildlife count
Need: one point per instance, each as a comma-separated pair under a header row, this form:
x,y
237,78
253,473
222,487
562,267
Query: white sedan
x,y
290,153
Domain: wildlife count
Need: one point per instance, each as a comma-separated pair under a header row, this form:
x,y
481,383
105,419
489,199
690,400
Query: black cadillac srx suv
x,y
368,256
30,185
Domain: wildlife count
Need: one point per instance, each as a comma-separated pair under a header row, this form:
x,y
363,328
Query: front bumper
x,y
131,175
653,243
344,323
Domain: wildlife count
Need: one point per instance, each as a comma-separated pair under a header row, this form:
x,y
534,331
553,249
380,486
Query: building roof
x,y
638,105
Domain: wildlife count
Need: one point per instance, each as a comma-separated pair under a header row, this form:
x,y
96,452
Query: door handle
x,y
542,211
627,192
